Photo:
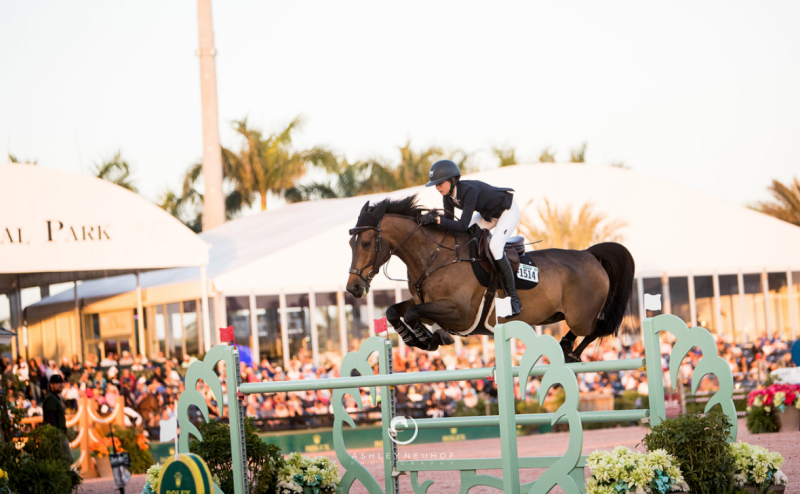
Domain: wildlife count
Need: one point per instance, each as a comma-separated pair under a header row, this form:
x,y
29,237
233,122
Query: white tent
x,y
58,226
671,230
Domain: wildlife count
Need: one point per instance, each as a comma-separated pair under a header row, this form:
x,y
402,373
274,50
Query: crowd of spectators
x,y
150,388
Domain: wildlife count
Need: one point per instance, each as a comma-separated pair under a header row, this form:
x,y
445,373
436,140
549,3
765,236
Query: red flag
x,y
226,334
380,325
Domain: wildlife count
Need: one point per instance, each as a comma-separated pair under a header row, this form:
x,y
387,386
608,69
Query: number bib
x,y
528,273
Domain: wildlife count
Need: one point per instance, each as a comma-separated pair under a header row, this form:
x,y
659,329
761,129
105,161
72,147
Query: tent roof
x,y
670,228
59,226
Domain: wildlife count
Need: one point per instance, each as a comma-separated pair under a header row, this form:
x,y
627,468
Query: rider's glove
x,y
428,218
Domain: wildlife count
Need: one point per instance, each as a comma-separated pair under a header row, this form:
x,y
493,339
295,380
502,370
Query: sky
x,y
702,93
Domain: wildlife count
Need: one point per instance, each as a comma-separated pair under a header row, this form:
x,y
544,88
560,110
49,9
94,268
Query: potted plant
x,y
624,471
699,445
757,469
100,451
302,475
774,408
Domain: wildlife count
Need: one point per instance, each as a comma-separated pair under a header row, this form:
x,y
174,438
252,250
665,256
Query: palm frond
x,y
786,203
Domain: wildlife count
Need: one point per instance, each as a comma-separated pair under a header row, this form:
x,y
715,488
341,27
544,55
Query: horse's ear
x,y
365,208
380,209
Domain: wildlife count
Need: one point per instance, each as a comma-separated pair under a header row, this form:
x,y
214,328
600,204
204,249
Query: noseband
x,y
374,261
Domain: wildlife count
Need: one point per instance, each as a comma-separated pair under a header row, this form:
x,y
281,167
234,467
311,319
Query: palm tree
x,y
786,205
578,155
506,156
546,156
13,159
269,164
562,230
117,171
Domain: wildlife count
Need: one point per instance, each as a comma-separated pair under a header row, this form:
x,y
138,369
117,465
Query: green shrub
x,y
32,476
44,443
141,459
760,422
264,460
699,443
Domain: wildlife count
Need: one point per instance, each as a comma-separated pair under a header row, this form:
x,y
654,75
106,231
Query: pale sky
x,y
703,93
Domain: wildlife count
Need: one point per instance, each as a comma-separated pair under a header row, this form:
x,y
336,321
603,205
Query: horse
x,y
589,289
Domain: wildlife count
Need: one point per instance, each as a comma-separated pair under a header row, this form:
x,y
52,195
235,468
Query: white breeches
x,y
502,228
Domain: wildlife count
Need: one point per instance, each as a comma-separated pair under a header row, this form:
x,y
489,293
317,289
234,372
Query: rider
x,y
488,207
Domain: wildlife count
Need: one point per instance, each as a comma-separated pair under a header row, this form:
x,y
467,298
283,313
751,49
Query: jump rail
x,y
565,471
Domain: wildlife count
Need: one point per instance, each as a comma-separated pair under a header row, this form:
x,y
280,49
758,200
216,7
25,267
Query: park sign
x,y
185,474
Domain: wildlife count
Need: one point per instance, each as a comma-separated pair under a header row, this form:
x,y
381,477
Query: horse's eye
x,y
366,244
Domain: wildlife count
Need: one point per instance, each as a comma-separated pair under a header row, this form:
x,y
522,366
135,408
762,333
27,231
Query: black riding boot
x,y
504,267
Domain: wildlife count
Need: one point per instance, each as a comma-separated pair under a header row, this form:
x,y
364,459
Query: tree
x,y
506,156
560,229
786,204
270,164
578,155
117,171
13,159
378,175
546,156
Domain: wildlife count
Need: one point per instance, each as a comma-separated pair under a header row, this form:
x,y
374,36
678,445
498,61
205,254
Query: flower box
x,y
777,489
789,419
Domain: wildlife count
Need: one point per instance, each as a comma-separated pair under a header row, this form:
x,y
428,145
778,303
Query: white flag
x,y
502,307
169,430
652,302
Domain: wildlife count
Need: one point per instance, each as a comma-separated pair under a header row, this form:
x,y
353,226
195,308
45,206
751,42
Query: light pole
x,y
213,200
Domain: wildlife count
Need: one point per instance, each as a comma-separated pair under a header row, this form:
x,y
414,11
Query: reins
x,y
426,272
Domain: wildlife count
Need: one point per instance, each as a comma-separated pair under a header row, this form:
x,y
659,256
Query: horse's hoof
x,y
443,338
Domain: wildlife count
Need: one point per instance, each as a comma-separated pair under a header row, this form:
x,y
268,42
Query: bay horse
x,y
589,289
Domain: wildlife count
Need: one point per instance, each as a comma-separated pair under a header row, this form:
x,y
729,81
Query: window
x,y
298,325
679,298
268,323
175,330
704,302
238,312
754,307
327,321
191,327
730,307
778,306
356,320
161,330
653,286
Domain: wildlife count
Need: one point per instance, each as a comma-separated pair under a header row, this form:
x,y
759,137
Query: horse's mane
x,y
407,206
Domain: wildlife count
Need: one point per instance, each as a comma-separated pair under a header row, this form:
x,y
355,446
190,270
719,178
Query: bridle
x,y
425,272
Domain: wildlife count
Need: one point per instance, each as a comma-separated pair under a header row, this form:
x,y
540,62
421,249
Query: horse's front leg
x,y
394,314
438,312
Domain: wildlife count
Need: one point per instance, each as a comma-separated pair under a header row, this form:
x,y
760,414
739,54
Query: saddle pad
x,y
527,276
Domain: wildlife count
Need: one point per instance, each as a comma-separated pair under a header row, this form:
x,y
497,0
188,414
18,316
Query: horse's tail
x,y
618,263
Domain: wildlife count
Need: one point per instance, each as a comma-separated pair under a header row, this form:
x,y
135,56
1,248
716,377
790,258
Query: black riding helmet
x,y
442,170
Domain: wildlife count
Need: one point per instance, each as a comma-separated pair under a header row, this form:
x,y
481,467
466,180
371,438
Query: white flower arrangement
x,y
623,471
756,466
151,481
301,474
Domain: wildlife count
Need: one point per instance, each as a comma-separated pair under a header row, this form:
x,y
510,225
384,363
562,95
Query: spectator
x,y
126,359
34,410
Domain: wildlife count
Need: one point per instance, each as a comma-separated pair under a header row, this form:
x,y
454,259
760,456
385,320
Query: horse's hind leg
x,y
586,341
567,343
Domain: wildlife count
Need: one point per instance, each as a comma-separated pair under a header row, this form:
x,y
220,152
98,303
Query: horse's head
x,y
368,250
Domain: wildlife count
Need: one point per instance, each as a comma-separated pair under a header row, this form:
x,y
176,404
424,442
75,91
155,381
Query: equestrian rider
x,y
491,208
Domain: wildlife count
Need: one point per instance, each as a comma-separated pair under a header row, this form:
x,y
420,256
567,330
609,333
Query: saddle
x,y
514,248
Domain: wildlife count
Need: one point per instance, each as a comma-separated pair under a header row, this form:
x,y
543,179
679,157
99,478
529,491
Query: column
x,y
312,320
284,331
792,307
485,345
78,322
717,305
254,329
140,316
204,308
342,322
370,312
692,302
740,282
642,311
765,291
666,304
